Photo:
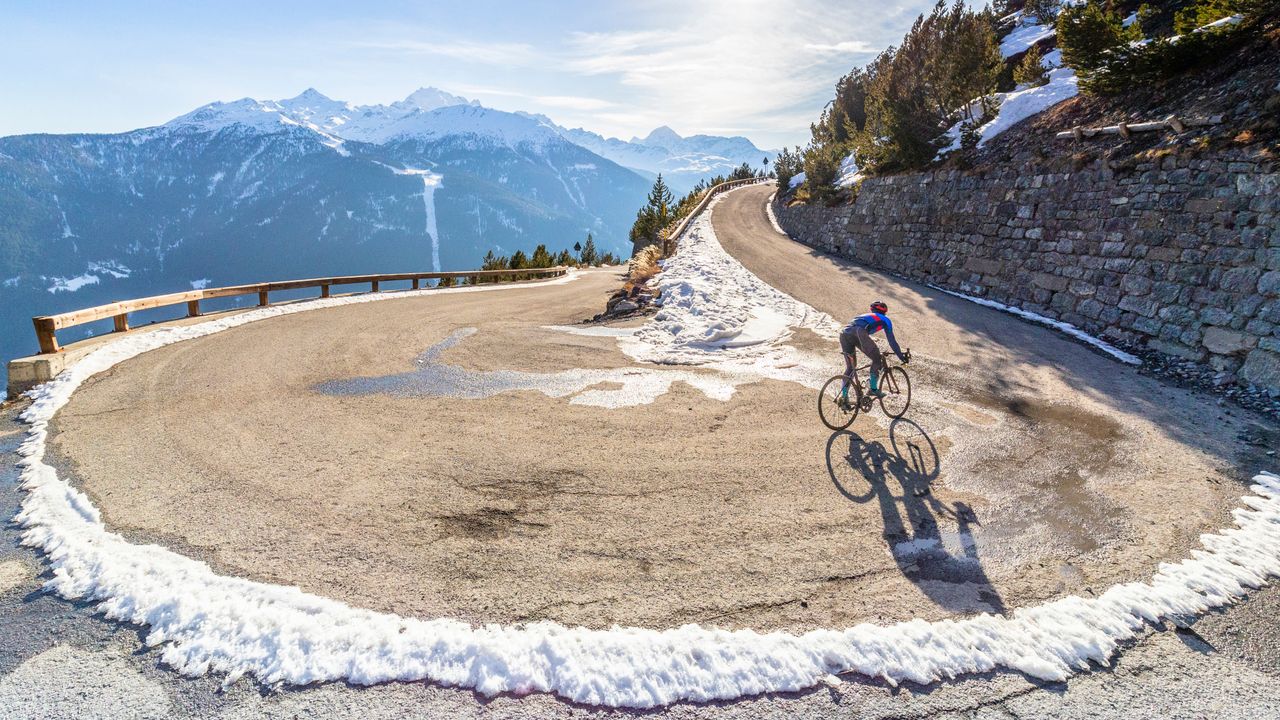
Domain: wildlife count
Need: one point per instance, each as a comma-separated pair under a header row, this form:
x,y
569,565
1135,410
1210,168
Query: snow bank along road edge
x,y
204,622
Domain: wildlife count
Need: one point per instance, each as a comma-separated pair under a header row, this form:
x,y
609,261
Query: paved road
x,y
1033,466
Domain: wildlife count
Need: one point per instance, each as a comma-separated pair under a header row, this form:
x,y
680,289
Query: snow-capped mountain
x,y
251,189
683,161
263,189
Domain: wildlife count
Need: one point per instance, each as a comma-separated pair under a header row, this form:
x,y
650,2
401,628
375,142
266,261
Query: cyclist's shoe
x,y
875,387
876,392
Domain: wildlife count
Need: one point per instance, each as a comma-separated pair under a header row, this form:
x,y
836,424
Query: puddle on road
x,y
620,387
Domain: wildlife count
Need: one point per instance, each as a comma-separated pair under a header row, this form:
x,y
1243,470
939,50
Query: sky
x,y
725,67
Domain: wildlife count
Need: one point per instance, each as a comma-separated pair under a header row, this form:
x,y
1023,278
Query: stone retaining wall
x,y
1176,255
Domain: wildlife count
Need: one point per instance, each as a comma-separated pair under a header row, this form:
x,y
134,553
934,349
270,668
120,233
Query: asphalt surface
x,y
1036,466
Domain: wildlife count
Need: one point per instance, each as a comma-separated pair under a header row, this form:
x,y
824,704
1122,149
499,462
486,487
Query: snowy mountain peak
x,y
429,98
309,96
473,120
662,137
265,116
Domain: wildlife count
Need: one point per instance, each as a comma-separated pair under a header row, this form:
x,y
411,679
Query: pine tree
x,y
587,256
519,261
1031,70
564,259
1087,34
541,258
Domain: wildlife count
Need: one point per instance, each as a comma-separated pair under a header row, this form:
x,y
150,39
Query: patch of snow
x,y
1133,18
1068,328
773,217
1230,20
200,284
1051,60
796,180
72,284
13,281
849,173
66,228
430,183
1021,104
713,309
110,267
1022,37
213,182
250,190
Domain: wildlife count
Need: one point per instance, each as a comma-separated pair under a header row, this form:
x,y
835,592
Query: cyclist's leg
x,y
873,351
849,346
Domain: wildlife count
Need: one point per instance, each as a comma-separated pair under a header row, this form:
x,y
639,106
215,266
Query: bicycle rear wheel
x,y
896,386
836,414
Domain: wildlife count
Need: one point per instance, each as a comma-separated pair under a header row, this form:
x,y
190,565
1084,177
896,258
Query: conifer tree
x,y
541,258
1031,70
587,256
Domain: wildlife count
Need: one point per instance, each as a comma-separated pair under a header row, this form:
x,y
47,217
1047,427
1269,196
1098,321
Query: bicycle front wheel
x,y
836,412
896,386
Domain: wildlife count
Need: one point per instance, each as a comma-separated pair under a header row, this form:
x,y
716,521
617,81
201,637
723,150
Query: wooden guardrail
x,y
670,237
47,326
1124,130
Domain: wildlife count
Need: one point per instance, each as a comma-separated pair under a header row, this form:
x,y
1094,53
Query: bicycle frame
x,y
887,378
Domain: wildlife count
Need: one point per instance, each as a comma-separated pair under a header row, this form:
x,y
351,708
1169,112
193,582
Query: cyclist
x,y
857,334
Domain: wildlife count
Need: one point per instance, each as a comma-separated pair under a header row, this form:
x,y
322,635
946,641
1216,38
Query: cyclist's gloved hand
x,y
905,357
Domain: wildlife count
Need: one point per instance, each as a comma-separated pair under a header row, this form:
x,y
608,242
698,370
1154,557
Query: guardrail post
x,y
417,283
193,308
375,285
324,291
46,335
262,298
122,322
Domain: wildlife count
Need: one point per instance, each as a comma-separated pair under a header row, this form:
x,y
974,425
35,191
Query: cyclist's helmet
x,y
879,307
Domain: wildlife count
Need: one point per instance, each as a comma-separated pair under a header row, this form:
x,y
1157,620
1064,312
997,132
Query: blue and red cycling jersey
x,y
873,323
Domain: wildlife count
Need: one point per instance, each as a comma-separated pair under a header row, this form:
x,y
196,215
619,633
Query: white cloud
x,y
490,53
756,67
848,46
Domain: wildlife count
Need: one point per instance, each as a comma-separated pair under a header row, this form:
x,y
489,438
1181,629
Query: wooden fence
x,y
47,326
1124,130
669,239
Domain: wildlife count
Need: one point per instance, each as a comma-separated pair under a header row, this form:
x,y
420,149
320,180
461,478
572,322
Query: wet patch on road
x,y
621,387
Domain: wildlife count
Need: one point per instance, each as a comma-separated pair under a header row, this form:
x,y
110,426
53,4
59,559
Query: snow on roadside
x,y
715,310
1065,327
204,622
773,217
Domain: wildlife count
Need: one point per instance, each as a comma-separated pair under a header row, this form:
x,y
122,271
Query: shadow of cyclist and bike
x,y
942,563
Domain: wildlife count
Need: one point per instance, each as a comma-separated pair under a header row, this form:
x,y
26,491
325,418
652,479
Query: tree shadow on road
x,y
944,565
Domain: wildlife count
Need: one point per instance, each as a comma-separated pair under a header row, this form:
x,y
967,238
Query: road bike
x,y
838,409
